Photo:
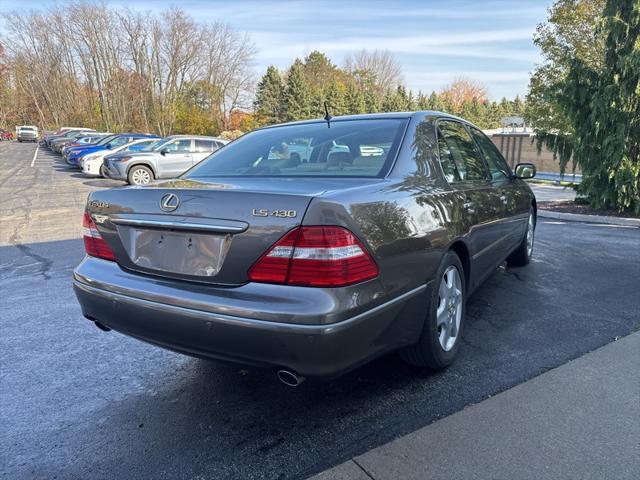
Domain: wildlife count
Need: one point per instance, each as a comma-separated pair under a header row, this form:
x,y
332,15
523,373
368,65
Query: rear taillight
x,y
315,257
94,244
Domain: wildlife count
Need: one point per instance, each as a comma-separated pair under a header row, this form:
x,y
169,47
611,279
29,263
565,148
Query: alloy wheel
x,y
530,234
140,177
449,312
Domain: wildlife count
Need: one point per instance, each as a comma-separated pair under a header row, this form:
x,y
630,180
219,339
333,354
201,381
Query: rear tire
x,y
440,339
521,256
140,175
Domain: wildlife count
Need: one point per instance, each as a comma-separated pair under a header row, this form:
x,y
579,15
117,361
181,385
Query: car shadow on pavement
x,y
104,182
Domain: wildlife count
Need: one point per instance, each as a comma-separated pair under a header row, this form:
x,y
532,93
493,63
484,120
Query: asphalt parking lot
x,y
76,402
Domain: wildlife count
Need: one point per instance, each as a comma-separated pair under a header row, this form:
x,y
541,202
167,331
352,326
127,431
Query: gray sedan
x,y
311,247
169,158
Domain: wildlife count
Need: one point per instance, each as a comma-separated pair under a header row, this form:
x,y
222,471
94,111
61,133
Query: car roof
x,y
203,137
378,116
130,134
372,116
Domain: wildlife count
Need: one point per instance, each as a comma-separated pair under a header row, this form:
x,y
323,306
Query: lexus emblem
x,y
169,202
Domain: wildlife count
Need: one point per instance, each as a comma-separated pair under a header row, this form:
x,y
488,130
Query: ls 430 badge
x,y
263,212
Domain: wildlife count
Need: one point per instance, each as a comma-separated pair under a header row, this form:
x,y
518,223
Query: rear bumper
x,y
171,318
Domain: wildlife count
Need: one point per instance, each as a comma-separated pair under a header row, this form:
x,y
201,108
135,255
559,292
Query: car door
x,y
514,205
175,158
466,172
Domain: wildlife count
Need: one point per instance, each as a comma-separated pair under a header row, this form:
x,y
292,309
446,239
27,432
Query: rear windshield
x,y
349,148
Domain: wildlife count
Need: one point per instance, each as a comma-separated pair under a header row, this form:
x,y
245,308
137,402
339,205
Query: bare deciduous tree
x,y
118,69
382,64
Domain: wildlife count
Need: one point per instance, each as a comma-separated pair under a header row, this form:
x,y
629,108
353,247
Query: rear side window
x,y
498,167
460,159
204,146
348,148
119,141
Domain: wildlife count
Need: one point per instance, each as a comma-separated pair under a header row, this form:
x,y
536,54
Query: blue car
x,y
107,143
86,141
77,150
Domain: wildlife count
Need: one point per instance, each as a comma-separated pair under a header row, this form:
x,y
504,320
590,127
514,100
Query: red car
x,y
5,134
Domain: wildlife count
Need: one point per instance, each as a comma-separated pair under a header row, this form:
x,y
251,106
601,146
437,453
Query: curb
x,y
597,219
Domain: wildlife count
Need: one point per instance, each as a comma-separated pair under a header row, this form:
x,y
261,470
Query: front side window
x,y
349,148
498,167
459,157
179,146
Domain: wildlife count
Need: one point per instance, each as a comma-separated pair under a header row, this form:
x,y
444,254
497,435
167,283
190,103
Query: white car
x,y
91,164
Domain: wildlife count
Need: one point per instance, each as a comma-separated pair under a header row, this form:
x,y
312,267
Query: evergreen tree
x,y
435,103
354,99
268,102
421,101
604,107
517,106
297,97
335,98
493,116
371,102
319,71
388,102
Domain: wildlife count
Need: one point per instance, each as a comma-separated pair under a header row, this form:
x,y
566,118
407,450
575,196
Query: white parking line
x,y
34,156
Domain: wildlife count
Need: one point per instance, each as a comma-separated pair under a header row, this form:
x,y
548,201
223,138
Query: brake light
x,y
94,244
315,257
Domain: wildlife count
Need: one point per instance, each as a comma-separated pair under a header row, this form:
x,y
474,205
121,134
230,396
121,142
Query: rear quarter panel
x,y
408,221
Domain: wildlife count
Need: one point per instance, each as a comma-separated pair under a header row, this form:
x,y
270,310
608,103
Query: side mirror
x,y
164,151
525,170
108,145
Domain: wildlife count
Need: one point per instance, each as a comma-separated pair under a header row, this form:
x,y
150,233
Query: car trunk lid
x,y
213,230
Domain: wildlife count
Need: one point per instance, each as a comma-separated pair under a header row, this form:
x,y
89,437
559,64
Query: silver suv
x,y
169,158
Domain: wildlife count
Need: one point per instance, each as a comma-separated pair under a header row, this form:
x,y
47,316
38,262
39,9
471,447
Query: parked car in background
x,y
109,142
54,139
74,153
5,135
91,164
27,133
87,139
312,267
168,159
58,144
64,131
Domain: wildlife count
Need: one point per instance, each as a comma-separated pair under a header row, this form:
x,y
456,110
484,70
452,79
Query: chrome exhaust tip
x,y
289,378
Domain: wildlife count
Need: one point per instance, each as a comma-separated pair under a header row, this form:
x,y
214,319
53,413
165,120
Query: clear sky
x,y
489,41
